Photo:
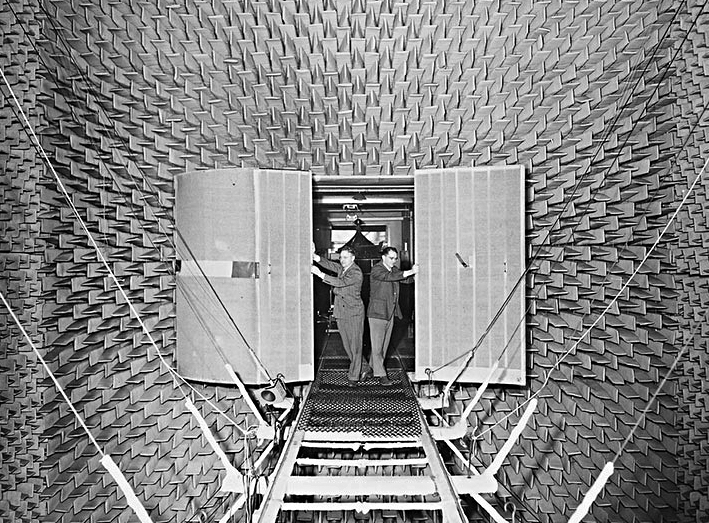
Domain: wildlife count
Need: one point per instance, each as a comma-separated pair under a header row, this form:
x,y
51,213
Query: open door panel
x,y
470,247
244,288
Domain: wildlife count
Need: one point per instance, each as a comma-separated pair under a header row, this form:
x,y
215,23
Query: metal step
x,y
361,470
361,506
360,486
360,463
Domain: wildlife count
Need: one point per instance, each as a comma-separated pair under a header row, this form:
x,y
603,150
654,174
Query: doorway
x,y
368,215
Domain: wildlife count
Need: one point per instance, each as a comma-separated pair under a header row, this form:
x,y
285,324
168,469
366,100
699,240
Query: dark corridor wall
x,y
602,102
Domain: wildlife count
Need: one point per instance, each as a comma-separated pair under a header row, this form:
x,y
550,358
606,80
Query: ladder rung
x,y
329,462
360,485
360,506
345,439
356,445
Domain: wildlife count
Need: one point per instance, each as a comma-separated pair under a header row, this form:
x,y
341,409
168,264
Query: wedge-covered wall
x,y
21,263
601,102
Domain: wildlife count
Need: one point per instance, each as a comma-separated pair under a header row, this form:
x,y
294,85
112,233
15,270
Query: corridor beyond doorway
x,y
330,354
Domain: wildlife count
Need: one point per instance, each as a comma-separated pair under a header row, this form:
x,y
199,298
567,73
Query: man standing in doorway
x,y
384,306
349,309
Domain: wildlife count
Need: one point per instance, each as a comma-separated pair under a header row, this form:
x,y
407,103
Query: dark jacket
x,y
347,288
384,292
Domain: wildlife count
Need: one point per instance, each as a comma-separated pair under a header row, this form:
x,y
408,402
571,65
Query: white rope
x,y
128,492
573,192
153,194
635,272
106,460
605,311
592,494
51,375
657,392
175,375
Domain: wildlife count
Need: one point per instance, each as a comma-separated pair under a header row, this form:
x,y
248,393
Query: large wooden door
x,y
469,225
244,289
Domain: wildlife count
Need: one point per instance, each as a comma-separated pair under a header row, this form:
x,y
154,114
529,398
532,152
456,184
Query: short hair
x,y
349,249
387,250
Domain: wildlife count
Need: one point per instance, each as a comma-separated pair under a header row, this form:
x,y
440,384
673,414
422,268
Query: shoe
x,y
352,383
385,381
367,374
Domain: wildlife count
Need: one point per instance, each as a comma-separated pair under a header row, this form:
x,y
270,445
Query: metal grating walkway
x,y
367,412
359,450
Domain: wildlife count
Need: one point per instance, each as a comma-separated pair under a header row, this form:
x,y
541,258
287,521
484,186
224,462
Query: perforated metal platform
x,y
369,411
363,449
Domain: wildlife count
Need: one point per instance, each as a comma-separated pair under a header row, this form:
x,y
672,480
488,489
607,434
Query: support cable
x,y
608,469
27,126
154,193
613,301
106,459
581,179
652,399
578,329
58,386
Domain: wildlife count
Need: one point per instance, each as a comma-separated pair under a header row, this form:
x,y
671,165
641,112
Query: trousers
x,y
351,329
380,333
